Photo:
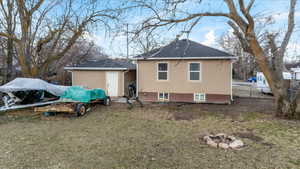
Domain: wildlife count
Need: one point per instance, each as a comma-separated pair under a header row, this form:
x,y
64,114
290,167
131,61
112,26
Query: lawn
x,y
154,137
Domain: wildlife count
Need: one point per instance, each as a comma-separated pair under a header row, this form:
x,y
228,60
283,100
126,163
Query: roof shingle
x,y
107,63
185,49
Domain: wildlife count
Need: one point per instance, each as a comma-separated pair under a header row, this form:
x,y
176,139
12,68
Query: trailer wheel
x,y
80,109
107,101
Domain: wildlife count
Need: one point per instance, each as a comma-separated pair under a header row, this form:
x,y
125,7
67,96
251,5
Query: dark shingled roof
x,y
107,63
184,48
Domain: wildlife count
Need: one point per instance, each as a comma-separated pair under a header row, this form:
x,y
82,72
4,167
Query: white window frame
x,y
163,99
197,100
200,72
157,74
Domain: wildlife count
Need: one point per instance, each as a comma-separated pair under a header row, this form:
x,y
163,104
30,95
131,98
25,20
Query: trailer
x,y
45,97
77,100
72,107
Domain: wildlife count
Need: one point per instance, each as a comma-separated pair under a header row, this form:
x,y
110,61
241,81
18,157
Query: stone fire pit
x,y
224,141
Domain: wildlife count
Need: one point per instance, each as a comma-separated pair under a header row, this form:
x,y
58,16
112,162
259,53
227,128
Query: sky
x,y
208,31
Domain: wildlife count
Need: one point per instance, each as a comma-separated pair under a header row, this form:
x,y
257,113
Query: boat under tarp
x,y
31,84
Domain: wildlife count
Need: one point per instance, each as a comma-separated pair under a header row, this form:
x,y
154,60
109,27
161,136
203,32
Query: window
x,y
199,97
163,96
162,71
194,71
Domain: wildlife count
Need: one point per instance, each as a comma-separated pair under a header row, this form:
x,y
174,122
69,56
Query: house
x,y
185,71
112,75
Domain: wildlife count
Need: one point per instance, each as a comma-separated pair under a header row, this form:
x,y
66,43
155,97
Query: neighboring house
x,y
112,75
185,71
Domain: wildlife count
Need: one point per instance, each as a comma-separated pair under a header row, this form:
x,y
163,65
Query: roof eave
x,y
189,58
94,68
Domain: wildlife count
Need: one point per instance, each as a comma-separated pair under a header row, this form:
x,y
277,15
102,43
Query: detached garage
x,y
112,75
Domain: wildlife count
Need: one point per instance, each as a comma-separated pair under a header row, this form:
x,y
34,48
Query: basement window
x,y
163,96
199,97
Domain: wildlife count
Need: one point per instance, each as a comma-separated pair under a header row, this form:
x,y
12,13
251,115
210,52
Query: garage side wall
x,y
96,79
89,79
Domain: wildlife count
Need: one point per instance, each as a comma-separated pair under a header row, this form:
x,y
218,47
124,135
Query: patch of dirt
x,y
181,115
239,106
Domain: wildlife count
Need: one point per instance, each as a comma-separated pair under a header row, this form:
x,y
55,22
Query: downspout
x,y
231,81
137,79
231,71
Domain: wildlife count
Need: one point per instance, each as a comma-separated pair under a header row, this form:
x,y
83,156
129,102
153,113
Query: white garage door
x,y
112,83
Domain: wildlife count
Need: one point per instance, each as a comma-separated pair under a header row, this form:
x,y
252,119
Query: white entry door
x,y
112,83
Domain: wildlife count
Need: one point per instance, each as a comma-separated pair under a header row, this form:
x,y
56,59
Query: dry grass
x,y
150,137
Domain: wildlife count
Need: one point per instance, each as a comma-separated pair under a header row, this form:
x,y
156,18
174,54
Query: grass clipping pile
x,y
224,141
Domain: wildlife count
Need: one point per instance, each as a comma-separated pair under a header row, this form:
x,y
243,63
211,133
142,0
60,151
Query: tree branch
x,y
250,25
250,5
235,16
192,16
6,35
36,6
291,25
45,40
241,37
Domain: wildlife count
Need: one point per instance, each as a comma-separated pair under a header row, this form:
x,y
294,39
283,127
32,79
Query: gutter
x,y
188,58
137,80
94,68
231,71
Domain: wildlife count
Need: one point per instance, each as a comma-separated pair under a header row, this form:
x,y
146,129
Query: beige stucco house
x,y
185,71
182,71
112,75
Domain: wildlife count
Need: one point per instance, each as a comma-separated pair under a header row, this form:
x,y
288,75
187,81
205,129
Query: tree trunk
x,y
9,60
286,108
35,71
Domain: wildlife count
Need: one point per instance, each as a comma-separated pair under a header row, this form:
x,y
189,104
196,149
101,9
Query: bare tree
x,y
147,41
48,30
8,25
169,14
80,52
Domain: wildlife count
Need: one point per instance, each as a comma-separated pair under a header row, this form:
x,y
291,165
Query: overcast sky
x,y
209,30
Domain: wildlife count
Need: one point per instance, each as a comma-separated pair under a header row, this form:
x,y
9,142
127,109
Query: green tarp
x,y
77,93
